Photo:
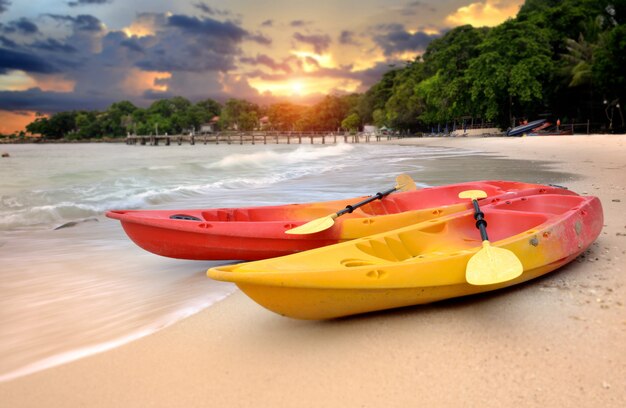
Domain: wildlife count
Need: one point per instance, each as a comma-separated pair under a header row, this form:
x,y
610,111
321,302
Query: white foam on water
x,y
268,158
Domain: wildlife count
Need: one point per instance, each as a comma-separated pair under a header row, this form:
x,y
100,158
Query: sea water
x,y
85,287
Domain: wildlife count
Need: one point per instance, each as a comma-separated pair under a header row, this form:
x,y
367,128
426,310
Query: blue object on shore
x,y
519,130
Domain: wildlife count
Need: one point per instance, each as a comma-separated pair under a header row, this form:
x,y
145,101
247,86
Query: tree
x,y
57,126
284,115
507,77
352,122
211,107
236,112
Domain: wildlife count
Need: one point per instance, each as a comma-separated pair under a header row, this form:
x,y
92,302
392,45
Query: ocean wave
x,y
46,208
274,157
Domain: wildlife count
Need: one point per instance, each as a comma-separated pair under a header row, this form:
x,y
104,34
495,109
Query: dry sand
x,y
558,341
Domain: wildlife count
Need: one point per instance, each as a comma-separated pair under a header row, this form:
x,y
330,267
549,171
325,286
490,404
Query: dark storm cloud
x,y
22,26
319,42
208,26
195,44
87,2
12,60
26,26
37,100
394,38
54,45
83,22
269,62
132,44
4,5
7,42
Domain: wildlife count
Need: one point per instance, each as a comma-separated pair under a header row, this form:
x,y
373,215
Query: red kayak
x,y
253,233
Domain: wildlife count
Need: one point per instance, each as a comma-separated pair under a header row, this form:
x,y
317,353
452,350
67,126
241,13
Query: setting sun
x,y
297,87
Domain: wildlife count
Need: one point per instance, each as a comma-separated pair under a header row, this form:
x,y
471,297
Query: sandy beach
x,y
559,341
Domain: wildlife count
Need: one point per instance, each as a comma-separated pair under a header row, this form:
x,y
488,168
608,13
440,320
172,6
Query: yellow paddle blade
x,y
472,194
313,226
404,182
492,265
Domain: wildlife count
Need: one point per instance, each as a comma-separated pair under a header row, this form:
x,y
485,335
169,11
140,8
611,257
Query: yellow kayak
x,y
421,263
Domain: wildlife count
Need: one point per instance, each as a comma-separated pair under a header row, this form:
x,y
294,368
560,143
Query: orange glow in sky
x,y
14,122
137,81
21,81
304,86
485,13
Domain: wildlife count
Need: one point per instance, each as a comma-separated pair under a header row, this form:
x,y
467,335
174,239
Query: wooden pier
x,y
259,137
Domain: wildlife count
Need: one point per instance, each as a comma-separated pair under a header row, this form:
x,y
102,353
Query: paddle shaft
x,y
481,224
377,196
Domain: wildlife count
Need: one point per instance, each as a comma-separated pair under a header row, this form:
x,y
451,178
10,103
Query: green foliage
x,y
173,115
609,68
237,114
508,74
351,122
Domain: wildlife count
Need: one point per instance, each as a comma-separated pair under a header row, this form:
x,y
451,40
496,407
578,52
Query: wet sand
x,y
556,341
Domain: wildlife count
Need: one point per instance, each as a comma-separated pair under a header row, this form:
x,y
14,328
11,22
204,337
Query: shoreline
x,y
555,341
394,139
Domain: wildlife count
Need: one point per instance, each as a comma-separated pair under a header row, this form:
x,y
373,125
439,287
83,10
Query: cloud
x,y
83,22
485,13
211,10
267,23
4,5
262,59
347,38
132,44
299,23
207,26
37,100
54,45
259,38
176,55
320,43
7,42
193,44
22,26
17,60
87,2
394,39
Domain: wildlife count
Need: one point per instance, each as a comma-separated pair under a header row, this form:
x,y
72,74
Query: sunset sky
x,y
58,55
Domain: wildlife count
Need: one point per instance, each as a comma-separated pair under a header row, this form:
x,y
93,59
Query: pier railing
x,y
260,137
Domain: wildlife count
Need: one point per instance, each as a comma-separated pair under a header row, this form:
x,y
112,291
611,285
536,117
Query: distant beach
x,y
556,341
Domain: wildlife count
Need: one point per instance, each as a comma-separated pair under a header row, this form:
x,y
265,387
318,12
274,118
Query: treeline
x,y
179,115
560,59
